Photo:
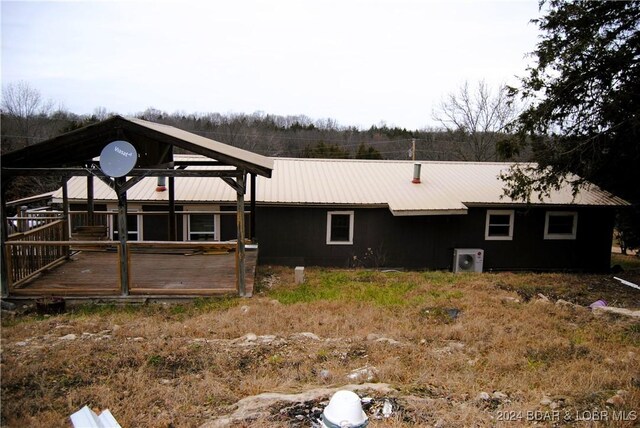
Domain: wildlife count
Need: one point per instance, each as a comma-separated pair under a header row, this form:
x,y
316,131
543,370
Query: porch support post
x,y
173,230
122,235
90,204
4,280
252,216
65,214
240,251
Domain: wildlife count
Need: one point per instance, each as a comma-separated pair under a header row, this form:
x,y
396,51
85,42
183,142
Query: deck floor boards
x,y
97,273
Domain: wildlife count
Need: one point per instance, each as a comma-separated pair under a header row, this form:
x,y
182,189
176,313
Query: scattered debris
x,y
598,304
625,282
87,418
345,409
302,410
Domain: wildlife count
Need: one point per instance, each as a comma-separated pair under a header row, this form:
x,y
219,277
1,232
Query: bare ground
x,y
454,350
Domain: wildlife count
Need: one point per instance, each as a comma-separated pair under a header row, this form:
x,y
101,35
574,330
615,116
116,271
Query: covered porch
x,y
44,258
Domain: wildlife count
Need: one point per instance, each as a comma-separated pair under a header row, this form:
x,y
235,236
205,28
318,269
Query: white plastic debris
x,y
344,411
625,282
87,418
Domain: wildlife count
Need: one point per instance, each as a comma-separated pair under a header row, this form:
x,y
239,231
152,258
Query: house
x,y
376,213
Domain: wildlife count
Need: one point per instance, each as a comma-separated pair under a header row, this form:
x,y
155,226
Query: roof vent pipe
x,y
162,184
416,173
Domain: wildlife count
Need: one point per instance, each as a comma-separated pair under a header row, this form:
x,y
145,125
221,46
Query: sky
x,y
358,62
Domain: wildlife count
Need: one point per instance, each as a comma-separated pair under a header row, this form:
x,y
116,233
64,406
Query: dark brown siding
x,y
297,236
156,226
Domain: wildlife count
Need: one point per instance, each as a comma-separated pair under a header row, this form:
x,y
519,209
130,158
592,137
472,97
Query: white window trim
x,y
574,231
113,224
216,228
330,214
510,213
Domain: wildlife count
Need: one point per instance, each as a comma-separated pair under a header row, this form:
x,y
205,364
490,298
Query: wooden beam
x,y
122,237
90,203
252,215
65,213
240,251
137,172
173,227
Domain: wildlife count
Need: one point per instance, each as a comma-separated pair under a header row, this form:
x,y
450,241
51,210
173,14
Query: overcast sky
x,y
360,62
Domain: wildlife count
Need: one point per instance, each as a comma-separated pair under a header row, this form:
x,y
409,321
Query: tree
x,y
26,110
367,152
583,121
479,116
325,151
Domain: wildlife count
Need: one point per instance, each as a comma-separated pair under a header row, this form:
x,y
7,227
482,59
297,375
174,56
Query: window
x,y
340,227
560,225
499,225
202,227
133,227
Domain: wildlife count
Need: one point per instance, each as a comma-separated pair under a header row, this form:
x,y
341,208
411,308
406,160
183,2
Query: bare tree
x,y
478,116
25,108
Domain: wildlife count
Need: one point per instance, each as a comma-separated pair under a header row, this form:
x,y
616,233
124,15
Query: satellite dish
x,y
118,158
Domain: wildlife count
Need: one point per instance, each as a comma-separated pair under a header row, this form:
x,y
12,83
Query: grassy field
x,y
439,340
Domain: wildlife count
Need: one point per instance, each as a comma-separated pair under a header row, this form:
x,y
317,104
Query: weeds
x,y
434,336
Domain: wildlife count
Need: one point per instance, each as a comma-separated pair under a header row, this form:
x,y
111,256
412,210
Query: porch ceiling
x,y
154,142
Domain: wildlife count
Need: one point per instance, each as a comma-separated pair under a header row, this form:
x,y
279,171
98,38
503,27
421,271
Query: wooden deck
x,y
96,274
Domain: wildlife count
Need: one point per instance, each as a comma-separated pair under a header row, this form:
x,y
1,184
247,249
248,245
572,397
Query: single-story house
x,y
377,213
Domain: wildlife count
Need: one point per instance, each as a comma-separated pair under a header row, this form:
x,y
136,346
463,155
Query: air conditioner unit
x,y
467,260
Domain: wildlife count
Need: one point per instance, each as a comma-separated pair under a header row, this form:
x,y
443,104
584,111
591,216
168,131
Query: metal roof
x,y
445,188
153,141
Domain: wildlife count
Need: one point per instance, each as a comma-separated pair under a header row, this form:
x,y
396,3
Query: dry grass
x,y
182,365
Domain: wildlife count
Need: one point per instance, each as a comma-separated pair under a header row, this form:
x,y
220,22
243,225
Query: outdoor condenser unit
x,y
467,260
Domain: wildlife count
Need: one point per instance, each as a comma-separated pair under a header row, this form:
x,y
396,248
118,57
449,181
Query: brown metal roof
x,y
445,188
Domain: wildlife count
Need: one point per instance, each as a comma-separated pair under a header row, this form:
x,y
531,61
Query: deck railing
x,y
29,253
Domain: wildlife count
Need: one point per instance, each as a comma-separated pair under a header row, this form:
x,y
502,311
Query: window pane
x,y
500,219
498,230
340,227
202,223
560,224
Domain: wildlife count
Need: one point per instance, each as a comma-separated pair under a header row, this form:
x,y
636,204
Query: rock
x,y
372,336
616,401
363,374
500,396
22,343
325,375
599,310
68,337
387,340
260,406
483,396
546,401
115,328
561,302
556,404
306,335
138,339
509,299
250,337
